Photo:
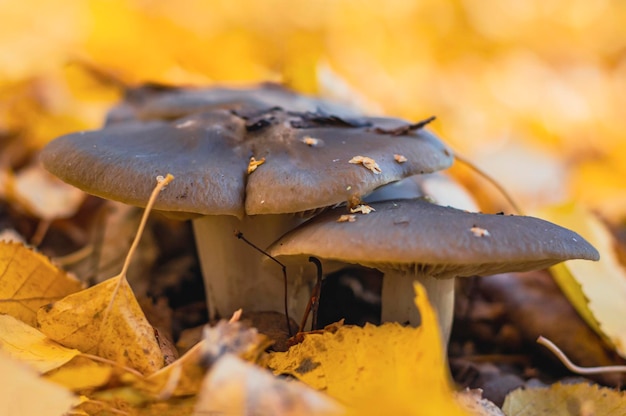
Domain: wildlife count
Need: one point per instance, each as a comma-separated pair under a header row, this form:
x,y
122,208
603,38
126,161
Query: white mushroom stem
x,y
235,275
398,296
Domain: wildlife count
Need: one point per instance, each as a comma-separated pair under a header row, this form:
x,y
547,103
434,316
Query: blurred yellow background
x,y
533,91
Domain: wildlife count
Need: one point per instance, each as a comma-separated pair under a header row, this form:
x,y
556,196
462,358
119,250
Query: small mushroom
x,y
414,239
208,148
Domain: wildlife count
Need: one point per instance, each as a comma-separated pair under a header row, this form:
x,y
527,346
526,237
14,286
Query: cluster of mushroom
x,y
262,160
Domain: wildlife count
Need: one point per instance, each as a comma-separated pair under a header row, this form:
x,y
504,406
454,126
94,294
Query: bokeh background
x,y
533,91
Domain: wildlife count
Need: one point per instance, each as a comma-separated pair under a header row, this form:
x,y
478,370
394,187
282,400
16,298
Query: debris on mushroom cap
x,y
346,218
311,141
207,145
434,240
399,158
368,162
253,164
158,102
479,232
362,208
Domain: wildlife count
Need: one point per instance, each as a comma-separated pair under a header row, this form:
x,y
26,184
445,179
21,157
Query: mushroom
x,y
302,166
414,239
158,102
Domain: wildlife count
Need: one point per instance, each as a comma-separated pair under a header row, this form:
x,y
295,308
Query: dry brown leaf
x,y
24,393
565,400
28,280
126,337
119,228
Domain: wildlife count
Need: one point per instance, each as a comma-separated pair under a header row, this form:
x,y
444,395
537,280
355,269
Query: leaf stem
x,y
575,368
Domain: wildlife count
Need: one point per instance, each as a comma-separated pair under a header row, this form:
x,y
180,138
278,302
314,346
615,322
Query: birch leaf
x,y
388,369
28,280
565,400
596,289
27,344
126,337
24,393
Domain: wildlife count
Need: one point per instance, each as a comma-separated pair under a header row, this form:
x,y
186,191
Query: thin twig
x,y
317,292
573,367
240,236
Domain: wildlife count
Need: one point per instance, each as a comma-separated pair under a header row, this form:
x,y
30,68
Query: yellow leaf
x,y
388,369
24,393
27,344
126,337
180,378
596,289
38,35
80,374
565,400
28,280
184,376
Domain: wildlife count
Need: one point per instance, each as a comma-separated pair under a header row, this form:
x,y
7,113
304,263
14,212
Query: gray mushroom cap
x,y
438,241
157,102
209,152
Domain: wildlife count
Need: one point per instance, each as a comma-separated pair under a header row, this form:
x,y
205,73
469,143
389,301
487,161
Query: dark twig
x,y
240,236
317,292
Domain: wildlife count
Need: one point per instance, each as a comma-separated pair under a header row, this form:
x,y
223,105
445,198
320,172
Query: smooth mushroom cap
x,y
441,242
307,160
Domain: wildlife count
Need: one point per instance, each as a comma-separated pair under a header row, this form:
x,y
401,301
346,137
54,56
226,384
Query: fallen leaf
x,y
183,377
596,289
235,387
29,345
42,194
24,393
81,373
28,280
126,337
561,399
390,369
